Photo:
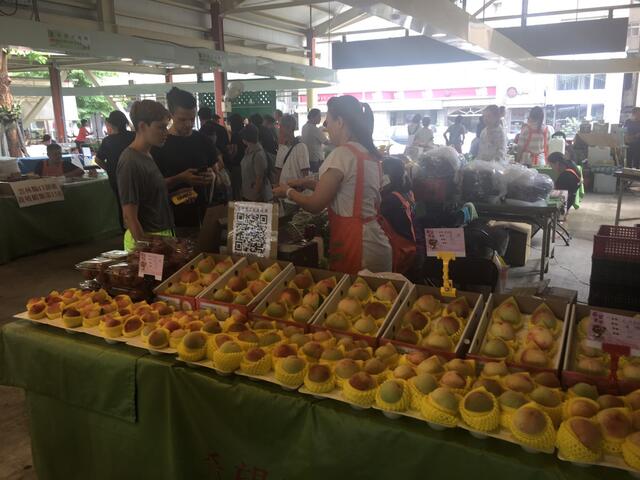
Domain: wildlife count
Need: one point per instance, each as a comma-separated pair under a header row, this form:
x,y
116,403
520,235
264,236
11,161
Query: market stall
x,y
131,415
89,211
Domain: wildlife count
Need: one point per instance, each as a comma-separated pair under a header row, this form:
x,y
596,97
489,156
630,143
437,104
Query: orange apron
x,y
403,250
535,157
345,233
51,171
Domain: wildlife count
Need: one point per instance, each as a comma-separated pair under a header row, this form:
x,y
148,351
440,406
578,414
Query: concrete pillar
x,y
217,34
58,106
311,52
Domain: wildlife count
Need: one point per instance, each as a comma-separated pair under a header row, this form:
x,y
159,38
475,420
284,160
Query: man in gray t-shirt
x,y
141,183
255,168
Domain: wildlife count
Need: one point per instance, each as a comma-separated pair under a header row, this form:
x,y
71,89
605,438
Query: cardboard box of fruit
x,y
525,332
243,287
361,307
297,297
182,288
429,322
586,362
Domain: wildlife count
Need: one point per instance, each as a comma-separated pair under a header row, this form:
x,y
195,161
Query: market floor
x,y
38,274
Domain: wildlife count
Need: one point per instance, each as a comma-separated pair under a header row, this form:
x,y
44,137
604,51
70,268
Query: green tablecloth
x,y
89,211
192,424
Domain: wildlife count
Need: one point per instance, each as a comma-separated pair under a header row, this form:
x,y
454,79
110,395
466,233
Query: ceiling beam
x,y
573,11
276,5
342,20
483,8
162,88
466,33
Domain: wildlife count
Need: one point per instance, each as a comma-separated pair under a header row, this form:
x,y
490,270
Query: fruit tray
x,y
608,460
527,305
57,323
331,306
474,301
206,300
571,375
188,302
259,312
335,394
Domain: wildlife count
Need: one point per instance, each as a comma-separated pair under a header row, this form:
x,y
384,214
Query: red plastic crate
x,y
617,243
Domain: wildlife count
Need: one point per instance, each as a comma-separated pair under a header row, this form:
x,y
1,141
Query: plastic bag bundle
x,y
483,181
526,184
439,162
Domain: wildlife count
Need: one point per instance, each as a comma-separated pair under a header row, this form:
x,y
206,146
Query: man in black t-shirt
x,y
210,127
186,148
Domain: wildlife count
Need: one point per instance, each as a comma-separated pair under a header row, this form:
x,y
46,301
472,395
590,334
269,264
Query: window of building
x,y
599,81
573,82
597,111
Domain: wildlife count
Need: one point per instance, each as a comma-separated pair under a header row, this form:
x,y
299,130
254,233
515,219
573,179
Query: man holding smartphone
x,y
187,149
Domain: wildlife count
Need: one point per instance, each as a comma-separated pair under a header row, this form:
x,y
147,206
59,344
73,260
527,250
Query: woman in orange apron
x,y
349,185
533,143
54,166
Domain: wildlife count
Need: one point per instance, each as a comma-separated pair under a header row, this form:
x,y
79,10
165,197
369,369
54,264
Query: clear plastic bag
x,y
527,184
483,182
439,162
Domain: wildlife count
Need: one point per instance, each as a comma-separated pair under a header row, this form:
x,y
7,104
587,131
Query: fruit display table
x,y
89,211
111,411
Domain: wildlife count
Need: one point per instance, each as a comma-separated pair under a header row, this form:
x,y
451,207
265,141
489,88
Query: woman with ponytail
x,y
533,144
349,184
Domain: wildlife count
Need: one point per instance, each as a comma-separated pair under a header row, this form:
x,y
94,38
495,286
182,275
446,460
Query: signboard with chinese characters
x,y
151,264
614,330
253,228
445,240
68,41
37,191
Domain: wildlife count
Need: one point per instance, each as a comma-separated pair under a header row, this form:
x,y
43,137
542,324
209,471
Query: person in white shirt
x,y
292,160
314,139
424,135
493,139
349,185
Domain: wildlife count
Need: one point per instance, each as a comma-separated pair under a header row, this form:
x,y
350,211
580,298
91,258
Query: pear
x,y
425,383
529,420
391,391
445,399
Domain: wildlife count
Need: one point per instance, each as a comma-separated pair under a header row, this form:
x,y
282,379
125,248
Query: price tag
x,y
151,264
614,330
37,191
441,240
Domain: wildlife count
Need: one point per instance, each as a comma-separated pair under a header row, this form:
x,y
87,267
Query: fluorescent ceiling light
x,y
439,35
187,66
126,59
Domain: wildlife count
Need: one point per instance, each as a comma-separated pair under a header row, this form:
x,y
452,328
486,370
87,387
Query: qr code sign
x,y
252,229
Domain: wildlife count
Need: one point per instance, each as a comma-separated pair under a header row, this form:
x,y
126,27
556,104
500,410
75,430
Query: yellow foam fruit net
x,y
246,345
463,390
631,454
505,416
458,333
363,398
571,448
416,395
191,355
609,443
569,401
434,413
323,387
555,413
399,406
289,379
261,367
381,377
545,440
622,363
227,362
481,421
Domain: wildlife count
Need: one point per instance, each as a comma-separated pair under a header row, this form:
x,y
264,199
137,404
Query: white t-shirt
x,y
376,250
314,139
423,138
297,161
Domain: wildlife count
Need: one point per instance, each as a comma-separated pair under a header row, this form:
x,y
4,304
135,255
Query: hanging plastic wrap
x,y
483,182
